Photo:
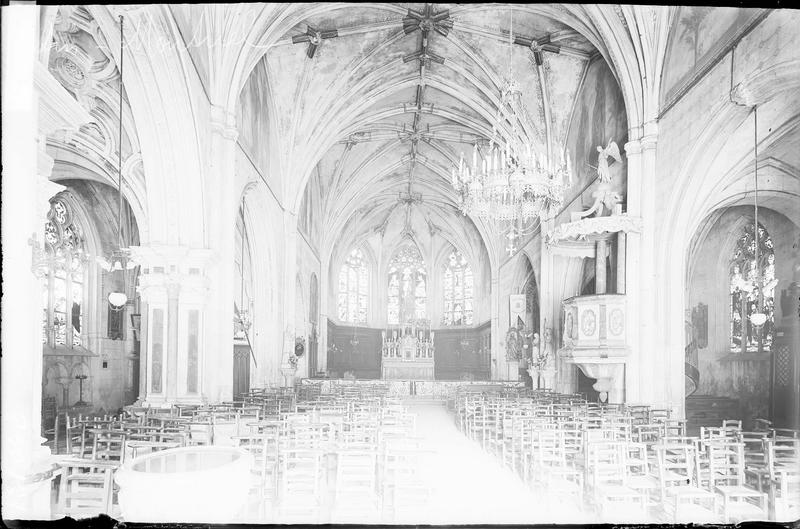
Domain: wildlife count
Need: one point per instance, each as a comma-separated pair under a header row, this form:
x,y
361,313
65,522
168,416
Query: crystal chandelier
x,y
514,184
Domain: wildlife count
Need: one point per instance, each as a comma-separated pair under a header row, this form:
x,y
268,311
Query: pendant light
x,y
120,261
758,318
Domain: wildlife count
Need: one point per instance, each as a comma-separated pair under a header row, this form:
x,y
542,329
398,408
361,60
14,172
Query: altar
x,y
407,353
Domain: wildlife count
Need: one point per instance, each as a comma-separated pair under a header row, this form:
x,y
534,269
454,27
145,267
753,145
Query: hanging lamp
x,y
120,261
758,318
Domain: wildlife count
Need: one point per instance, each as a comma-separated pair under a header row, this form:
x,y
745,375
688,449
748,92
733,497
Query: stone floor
x,y
468,486
471,487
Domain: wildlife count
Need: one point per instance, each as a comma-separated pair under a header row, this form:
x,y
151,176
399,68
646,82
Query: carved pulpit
x,y
595,339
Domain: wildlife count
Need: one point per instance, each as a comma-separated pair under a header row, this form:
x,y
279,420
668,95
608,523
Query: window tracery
x,y
744,290
407,286
64,279
353,288
458,290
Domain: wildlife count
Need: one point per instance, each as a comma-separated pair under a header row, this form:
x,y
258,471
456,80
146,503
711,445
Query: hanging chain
x,y
119,158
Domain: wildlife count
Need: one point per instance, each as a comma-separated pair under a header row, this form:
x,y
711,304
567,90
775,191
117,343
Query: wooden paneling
x,y
241,370
363,360
453,361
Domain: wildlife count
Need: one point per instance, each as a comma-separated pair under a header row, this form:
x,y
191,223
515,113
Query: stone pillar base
x,y
28,497
288,376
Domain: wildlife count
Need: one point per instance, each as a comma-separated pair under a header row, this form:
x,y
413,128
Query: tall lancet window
x,y
408,288
64,279
458,290
353,288
745,292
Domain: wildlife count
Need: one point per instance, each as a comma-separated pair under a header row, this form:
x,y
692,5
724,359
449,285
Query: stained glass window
x,y
353,288
458,291
63,284
408,288
744,290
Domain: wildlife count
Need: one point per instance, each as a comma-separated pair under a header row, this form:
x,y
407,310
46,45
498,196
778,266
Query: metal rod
x,y
119,158
755,195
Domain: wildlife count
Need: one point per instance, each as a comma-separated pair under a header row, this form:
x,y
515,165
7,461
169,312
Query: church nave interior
x,y
401,263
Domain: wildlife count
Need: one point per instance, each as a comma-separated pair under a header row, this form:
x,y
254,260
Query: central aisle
x,y
470,486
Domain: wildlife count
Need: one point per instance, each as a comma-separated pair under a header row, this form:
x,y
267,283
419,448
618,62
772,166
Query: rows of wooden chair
x,y
348,455
635,463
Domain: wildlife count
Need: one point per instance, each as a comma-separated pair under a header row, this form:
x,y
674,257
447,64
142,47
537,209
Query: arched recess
x,y
737,373
107,343
713,173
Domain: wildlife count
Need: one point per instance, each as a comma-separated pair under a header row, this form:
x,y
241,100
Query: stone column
x,y
646,375
143,326
224,190
497,356
289,288
25,491
621,238
173,291
173,279
322,327
600,266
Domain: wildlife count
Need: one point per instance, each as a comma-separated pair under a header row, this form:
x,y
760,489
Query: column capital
x,y
644,137
168,271
223,123
633,148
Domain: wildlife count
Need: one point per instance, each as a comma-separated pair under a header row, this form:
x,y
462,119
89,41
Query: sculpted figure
x,y
611,150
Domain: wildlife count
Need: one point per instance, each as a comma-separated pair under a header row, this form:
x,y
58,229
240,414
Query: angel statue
x,y
611,150
606,198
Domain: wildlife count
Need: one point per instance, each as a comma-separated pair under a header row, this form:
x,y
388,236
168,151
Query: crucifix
x,y
314,38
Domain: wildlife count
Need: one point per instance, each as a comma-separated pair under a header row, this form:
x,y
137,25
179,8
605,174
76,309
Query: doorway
x,y
241,370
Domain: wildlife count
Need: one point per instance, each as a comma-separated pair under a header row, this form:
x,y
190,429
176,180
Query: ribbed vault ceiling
x,y
395,93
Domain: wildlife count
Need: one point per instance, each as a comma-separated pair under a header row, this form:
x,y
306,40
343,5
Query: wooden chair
x,y
75,436
606,475
301,475
638,475
553,470
681,496
356,496
108,444
784,495
85,488
199,433
783,460
265,450
726,476
54,432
